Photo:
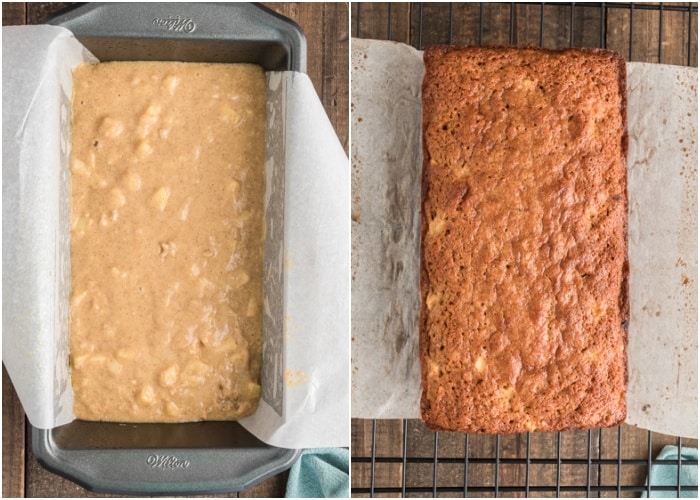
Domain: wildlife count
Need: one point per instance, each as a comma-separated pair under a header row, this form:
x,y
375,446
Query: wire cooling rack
x,y
403,458
392,458
657,33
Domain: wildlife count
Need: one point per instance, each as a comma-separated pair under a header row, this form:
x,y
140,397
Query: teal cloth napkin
x,y
667,474
320,473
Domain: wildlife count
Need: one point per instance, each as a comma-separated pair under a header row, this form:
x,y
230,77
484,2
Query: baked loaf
x,y
524,251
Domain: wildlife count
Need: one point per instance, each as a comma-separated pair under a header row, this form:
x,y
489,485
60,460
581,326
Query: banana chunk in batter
x,y
167,179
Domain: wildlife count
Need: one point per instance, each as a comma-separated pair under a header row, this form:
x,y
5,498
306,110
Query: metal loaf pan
x,y
189,458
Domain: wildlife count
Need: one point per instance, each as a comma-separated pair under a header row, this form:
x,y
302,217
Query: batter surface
x,y
167,169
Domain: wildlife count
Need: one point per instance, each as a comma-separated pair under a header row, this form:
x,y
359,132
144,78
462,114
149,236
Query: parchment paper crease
x,y
386,158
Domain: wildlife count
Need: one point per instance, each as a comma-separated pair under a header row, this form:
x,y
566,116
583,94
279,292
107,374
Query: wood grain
x,y
40,12
13,444
465,23
361,438
634,444
335,92
631,30
438,459
386,21
14,13
389,443
326,28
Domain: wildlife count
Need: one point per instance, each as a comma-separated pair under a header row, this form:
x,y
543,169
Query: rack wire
x,y
401,457
606,463
661,32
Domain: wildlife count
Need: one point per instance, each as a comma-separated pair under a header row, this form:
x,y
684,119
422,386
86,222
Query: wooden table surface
x,y
640,33
326,29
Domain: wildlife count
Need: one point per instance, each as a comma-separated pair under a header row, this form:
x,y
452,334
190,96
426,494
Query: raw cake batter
x,y
167,169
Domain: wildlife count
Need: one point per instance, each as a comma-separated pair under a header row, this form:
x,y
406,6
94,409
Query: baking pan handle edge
x,y
170,24
153,471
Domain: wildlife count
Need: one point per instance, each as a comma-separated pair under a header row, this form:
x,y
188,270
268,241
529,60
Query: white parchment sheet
x,y
386,160
307,248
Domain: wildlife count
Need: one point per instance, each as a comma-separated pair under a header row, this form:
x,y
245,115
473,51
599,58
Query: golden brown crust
x,y
524,239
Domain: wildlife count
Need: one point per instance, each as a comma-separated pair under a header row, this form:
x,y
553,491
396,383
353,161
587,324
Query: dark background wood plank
x,y
335,93
326,30
633,31
392,20
13,13
13,445
40,12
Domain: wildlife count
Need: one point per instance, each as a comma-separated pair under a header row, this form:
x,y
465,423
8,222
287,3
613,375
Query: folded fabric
x,y
320,473
667,474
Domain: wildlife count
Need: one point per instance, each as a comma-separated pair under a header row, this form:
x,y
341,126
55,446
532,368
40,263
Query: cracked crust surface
x,y
524,251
